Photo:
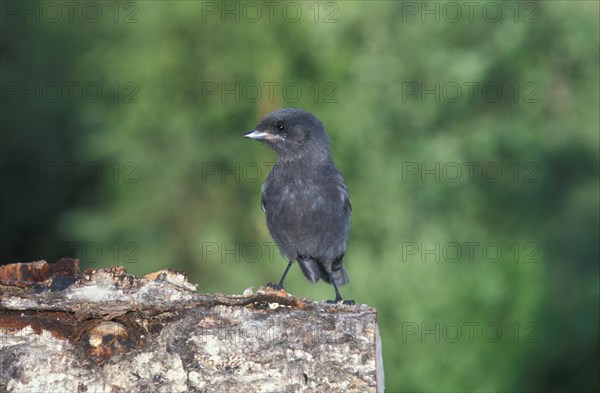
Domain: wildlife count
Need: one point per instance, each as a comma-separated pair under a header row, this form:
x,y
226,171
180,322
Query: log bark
x,y
104,330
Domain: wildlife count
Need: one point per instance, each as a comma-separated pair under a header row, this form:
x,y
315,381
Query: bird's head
x,y
292,133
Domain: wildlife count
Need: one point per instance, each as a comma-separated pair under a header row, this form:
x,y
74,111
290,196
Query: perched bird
x,y
304,197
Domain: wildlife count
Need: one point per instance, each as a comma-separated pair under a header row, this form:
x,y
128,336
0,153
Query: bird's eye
x,y
280,127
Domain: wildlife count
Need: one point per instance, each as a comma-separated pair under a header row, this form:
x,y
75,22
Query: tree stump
x,y
104,330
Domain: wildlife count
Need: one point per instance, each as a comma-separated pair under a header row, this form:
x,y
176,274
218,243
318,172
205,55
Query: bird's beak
x,y
256,134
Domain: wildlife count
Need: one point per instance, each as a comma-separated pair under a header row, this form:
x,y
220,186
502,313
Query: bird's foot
x,y
342,301
275,287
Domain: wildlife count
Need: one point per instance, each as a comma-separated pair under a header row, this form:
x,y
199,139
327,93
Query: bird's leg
x,y
279,286
287,269
338,297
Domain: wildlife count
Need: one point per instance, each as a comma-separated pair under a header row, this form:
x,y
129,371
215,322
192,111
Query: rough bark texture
x,y
106,331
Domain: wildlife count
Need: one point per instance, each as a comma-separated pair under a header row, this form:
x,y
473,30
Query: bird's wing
x,y
328,174
345,196
263,206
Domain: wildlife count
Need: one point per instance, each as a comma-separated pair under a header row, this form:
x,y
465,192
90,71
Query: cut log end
x,y
106,330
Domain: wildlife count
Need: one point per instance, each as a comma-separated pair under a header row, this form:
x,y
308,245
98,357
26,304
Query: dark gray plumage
x,y
304,197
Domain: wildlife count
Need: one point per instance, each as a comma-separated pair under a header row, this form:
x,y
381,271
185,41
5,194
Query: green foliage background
x,y
178,210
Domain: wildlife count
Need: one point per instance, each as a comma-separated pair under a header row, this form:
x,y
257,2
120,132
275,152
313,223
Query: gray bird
x,y
304,197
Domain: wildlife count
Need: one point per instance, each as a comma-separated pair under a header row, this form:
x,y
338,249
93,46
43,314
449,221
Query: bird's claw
x,y
274,287
342,301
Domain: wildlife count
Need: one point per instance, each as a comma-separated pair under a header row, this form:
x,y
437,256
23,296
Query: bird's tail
x,y
339,276
314,271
